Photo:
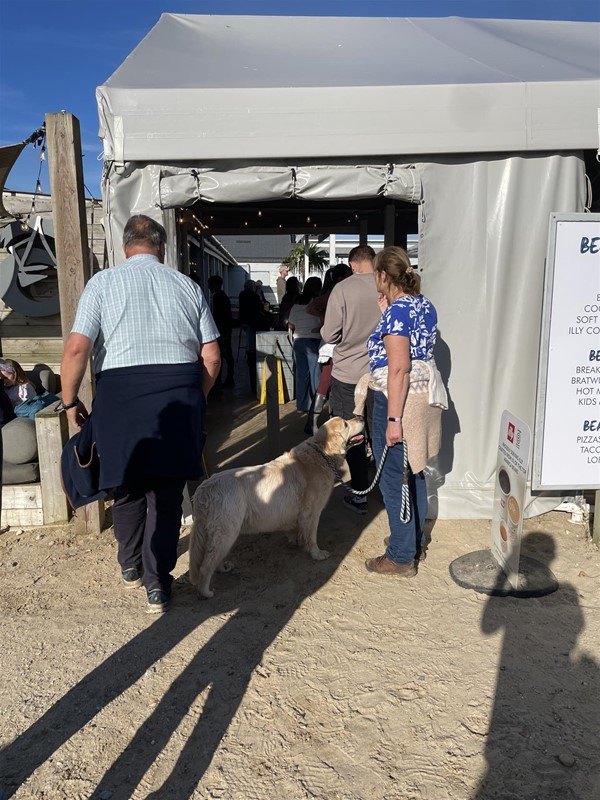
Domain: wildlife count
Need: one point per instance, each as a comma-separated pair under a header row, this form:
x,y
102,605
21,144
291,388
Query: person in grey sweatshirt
x,y
351,317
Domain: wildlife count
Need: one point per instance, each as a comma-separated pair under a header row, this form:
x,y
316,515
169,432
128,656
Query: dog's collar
x,y
328,461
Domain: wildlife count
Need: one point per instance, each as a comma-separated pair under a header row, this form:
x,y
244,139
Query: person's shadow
x,y
543,738
442,464
274,580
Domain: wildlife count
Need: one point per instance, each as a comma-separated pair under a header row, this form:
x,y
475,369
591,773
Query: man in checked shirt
x,y
155,358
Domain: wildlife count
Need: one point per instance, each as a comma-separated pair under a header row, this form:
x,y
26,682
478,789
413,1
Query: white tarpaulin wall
x,y
236,115
484,240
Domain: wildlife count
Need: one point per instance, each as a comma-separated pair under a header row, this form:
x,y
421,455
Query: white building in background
x,y
339,246
260,255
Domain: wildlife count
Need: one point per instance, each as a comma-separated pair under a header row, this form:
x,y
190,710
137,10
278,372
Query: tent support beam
x,y
389,224
363,231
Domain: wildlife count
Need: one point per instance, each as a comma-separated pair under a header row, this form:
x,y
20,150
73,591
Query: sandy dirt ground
x,y
299,679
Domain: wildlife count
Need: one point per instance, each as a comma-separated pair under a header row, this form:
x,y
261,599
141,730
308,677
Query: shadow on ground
x,y
272,582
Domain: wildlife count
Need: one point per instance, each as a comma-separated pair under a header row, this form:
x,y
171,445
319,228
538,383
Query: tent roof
x,y
225,87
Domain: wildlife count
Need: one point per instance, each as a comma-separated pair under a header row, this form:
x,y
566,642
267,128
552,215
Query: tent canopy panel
x,y
186,51
210,87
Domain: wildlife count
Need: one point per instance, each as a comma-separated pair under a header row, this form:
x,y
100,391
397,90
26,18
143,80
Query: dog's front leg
x,y
307,528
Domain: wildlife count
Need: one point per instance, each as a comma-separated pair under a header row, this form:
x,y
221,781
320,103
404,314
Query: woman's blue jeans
x,y
308,371
405,537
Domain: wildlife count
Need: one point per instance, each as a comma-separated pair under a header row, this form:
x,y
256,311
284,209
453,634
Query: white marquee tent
x,y
482,123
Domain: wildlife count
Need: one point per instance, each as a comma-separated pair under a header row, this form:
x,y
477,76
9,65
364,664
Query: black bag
x,y
80,468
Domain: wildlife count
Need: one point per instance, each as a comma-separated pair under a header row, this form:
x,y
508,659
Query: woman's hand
x,y
394,434
77,415
382,302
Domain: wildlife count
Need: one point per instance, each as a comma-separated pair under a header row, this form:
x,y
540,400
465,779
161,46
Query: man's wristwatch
x,y
66,406
394,419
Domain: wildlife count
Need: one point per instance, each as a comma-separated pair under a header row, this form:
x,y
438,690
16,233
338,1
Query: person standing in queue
x,y
350,318
156,358
306,338
221,311
408,414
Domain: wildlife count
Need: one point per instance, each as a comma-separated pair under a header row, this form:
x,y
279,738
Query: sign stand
x,y
501,570
481,572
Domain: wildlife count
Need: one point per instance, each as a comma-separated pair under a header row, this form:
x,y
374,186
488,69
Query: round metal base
x,y
480,571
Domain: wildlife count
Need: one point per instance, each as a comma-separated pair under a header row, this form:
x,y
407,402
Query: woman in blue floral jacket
x,y
403,342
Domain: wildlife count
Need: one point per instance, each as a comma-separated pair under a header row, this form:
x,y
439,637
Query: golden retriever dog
x,y
286,494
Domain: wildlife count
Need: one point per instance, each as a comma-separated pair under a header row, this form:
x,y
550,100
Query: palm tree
x,y
318,260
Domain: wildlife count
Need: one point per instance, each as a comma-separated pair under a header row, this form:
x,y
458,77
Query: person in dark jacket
x,y
290,298
252,319
221,311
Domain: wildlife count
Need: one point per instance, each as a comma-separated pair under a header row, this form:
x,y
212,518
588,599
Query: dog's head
x,y
338,435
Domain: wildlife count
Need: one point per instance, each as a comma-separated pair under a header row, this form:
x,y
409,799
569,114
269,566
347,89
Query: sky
x,y
54,53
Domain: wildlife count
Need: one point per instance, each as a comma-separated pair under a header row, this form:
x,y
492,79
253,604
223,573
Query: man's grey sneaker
x,y
131,578
351,502
158,601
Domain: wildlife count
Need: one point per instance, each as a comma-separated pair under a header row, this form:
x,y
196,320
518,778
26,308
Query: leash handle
x,y
405,511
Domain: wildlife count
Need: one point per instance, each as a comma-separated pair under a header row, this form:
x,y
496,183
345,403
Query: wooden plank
x,y
22,517
22,495
52,432
33,345
44,335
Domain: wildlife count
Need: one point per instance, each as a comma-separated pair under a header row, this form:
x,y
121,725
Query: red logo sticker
x,y
511,433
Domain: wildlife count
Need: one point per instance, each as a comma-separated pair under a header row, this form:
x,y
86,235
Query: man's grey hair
x,y
141,228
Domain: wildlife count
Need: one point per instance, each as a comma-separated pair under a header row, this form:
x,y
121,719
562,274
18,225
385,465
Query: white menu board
x,y
567,428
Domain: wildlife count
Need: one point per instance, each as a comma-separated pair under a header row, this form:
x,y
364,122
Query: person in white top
x,y
306,336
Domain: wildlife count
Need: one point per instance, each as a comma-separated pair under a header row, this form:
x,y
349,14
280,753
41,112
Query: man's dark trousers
x,y
147,522
341,404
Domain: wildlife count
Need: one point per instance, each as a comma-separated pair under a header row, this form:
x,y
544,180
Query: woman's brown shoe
x,y
421,551
384,566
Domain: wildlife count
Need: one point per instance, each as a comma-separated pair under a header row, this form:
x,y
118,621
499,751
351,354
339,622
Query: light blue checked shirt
x,y
143,312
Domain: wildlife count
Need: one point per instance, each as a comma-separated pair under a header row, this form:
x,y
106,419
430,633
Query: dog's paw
x,y
225,566
319,555
205,594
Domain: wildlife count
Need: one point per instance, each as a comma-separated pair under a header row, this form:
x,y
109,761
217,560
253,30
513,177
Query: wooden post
x,y
270,366
72,252
52,432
